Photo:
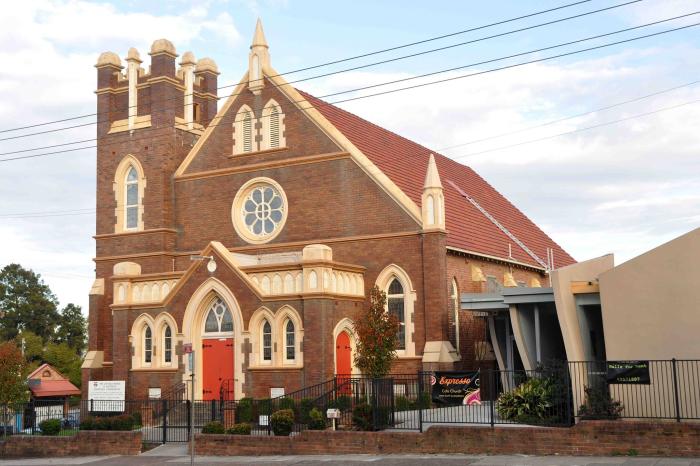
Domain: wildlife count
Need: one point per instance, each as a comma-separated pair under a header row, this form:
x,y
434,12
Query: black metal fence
x,y
556,394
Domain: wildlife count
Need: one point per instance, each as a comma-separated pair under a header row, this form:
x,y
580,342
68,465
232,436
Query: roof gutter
x,y
500,259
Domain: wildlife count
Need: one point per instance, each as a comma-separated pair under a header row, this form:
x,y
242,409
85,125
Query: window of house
x,y
147,345
131,204
289,341
219,318
396,306
267,341
167,345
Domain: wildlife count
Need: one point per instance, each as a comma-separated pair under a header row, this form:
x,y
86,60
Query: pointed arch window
x,y
272,126
129,185
396,305
219,318
131,204
289,342
167,345
147,344
267,340
245,132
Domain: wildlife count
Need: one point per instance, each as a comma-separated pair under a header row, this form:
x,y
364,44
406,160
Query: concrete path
x,y
172,456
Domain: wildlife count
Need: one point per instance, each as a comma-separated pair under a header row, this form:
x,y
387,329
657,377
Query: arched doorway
x,y
217,350
343,363
343,354
194,331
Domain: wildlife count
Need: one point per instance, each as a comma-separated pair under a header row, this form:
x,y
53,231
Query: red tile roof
x,y
405,163
53,388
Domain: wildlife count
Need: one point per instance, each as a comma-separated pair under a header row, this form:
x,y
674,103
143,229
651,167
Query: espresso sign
x,y
628,372
456,388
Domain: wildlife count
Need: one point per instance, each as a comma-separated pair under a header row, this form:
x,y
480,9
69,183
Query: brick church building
x,y
254,232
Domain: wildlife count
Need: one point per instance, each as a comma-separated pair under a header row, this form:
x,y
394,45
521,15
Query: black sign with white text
x,y
628,372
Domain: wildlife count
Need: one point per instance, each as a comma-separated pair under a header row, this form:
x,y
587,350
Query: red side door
x,y
343,363
217,358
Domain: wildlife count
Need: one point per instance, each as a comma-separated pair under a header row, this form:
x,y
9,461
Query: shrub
x,y
305,407
343,403
50,426
600,405
242,428
362,417
316,421
424,401
136,416
87,423
401,403
531,401
244,410
287,403
122,422
213,427
282,422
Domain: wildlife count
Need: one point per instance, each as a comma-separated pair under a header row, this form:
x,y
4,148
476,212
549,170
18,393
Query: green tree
x,y
26,303
72,328
63,358
376,332
13,385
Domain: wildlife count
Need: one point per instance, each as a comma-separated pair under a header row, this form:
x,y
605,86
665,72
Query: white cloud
x,y
622,188
48,49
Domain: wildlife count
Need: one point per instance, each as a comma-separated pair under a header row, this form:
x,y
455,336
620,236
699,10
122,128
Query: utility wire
x,y
90,211
409,79
553,122
342,60
579,130
355,68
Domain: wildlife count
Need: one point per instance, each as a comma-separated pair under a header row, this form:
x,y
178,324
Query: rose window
x,y
259,210
263,210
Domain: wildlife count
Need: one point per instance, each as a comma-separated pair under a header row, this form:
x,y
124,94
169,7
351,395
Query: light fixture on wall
x,y
211,265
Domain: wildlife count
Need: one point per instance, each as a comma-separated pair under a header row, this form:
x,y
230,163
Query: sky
x,y
595,184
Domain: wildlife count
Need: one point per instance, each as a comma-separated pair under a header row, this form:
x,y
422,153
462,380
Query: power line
x,y
87,211
549,123
579,130
413,78
355,68
342,60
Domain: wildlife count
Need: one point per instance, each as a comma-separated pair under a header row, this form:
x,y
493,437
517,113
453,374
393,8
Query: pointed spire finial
x,y
432,177
259,36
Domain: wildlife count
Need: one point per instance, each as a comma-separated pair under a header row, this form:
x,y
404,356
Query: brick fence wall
x,y
84,443
586,438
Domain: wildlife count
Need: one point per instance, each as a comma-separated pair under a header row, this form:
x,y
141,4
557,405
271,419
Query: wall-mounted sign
x,y
628,372
187,348
456,388
107,395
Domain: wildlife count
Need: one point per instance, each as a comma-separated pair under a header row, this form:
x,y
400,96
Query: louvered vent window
x,y
274,128
247,132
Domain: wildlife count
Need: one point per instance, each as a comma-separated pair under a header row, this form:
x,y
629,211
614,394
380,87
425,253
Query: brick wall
x,y
84,443
605,438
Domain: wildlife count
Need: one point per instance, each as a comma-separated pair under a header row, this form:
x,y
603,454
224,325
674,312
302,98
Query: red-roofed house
x,y
47,383
292,209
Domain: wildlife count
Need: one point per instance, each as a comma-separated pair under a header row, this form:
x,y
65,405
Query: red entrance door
x,y
217,359
343,362
343,354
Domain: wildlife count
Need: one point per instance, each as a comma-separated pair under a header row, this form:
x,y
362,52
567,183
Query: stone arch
x,y
193,326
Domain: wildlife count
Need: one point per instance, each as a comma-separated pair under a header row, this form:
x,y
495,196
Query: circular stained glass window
x,y
259,210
